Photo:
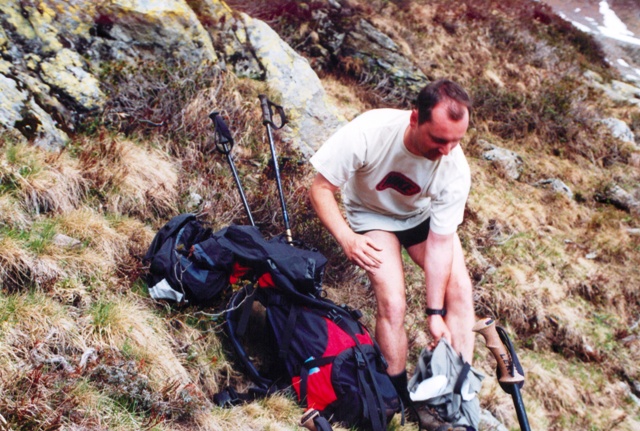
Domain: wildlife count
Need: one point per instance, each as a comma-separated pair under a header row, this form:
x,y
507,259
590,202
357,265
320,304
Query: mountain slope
x,y
82,346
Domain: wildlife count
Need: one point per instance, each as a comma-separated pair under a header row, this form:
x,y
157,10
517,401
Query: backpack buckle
x,y
360,359
227,398
334,316
353,312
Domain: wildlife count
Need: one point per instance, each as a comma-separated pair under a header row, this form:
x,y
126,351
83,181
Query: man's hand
x,y
361,250
438,329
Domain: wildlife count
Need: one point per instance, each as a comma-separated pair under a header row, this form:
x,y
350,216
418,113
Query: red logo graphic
x,y
399,183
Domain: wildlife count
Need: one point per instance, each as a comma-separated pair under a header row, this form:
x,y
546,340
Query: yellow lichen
x,y
41,18
14,18
66,71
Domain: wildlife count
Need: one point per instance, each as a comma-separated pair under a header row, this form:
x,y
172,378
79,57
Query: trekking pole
x,y
267,121
510,378
312,421
224,144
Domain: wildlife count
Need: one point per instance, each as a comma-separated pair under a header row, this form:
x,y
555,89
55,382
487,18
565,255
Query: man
x,y
404,182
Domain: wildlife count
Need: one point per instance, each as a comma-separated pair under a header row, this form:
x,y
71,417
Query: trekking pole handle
x,y
222,132
267,112
487,327
307,419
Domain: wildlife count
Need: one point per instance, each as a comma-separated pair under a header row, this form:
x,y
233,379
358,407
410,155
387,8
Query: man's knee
x,y
391,311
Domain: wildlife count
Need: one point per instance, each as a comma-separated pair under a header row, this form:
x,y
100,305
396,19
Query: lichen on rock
x,y
170,29
66,73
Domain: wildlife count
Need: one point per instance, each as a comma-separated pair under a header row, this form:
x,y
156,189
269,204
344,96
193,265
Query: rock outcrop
x,y
313,119
363,51
507,161
54,54
555,185
619,129
620,198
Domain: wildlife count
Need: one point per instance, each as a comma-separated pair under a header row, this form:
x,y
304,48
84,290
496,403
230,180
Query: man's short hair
x,y
439,90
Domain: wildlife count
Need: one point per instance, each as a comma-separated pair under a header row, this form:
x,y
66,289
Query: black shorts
x,y
412,236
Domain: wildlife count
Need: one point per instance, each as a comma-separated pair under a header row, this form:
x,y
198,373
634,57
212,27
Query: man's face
x,y
437,137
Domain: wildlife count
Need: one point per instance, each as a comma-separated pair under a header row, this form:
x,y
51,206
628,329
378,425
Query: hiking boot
x,y
429,420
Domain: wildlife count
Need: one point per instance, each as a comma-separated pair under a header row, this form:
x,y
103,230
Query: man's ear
x,y
413,118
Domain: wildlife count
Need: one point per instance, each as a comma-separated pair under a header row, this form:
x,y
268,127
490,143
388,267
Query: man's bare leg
x,y
458,298
387,282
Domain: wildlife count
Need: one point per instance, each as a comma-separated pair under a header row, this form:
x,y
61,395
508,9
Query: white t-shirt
x,y
384,185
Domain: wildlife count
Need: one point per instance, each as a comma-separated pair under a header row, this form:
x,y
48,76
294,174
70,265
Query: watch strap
x,y
435,311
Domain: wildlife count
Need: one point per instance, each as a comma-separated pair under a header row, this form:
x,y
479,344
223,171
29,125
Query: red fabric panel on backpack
x,y
265,280
238,271
337,339
340,340
320,391
364,338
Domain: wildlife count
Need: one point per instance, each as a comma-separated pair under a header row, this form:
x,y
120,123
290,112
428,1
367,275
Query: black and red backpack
x,y
289,335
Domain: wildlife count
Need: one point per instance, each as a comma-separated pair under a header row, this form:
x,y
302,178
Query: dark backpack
x,y
190,263
311,344
318,348
186,262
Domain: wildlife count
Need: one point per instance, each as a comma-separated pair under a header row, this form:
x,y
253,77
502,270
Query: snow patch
x,y
613,27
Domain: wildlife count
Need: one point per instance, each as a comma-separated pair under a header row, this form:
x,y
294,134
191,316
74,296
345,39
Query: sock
x,y
399,381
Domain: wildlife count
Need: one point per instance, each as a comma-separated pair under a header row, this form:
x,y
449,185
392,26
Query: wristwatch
x,y
439,311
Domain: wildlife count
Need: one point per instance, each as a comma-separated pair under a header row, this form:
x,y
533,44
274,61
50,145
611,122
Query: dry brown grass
x,y
125,325
132,179
42,181
15,263
12,213
104,248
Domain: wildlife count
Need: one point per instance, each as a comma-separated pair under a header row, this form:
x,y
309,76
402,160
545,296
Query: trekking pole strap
x,y
267,112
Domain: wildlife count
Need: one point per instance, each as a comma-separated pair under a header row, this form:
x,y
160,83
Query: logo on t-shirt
x,y
398,182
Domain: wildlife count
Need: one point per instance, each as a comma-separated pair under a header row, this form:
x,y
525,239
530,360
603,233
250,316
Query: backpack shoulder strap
x,y
167,231
238,310
229,397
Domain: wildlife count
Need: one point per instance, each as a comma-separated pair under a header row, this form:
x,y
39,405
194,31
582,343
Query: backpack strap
x,y
457,388
322,424
374,403
229,397
245,311
288,332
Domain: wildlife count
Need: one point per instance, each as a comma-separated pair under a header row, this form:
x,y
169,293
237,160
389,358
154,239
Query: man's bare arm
x,y
439,259
359,249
